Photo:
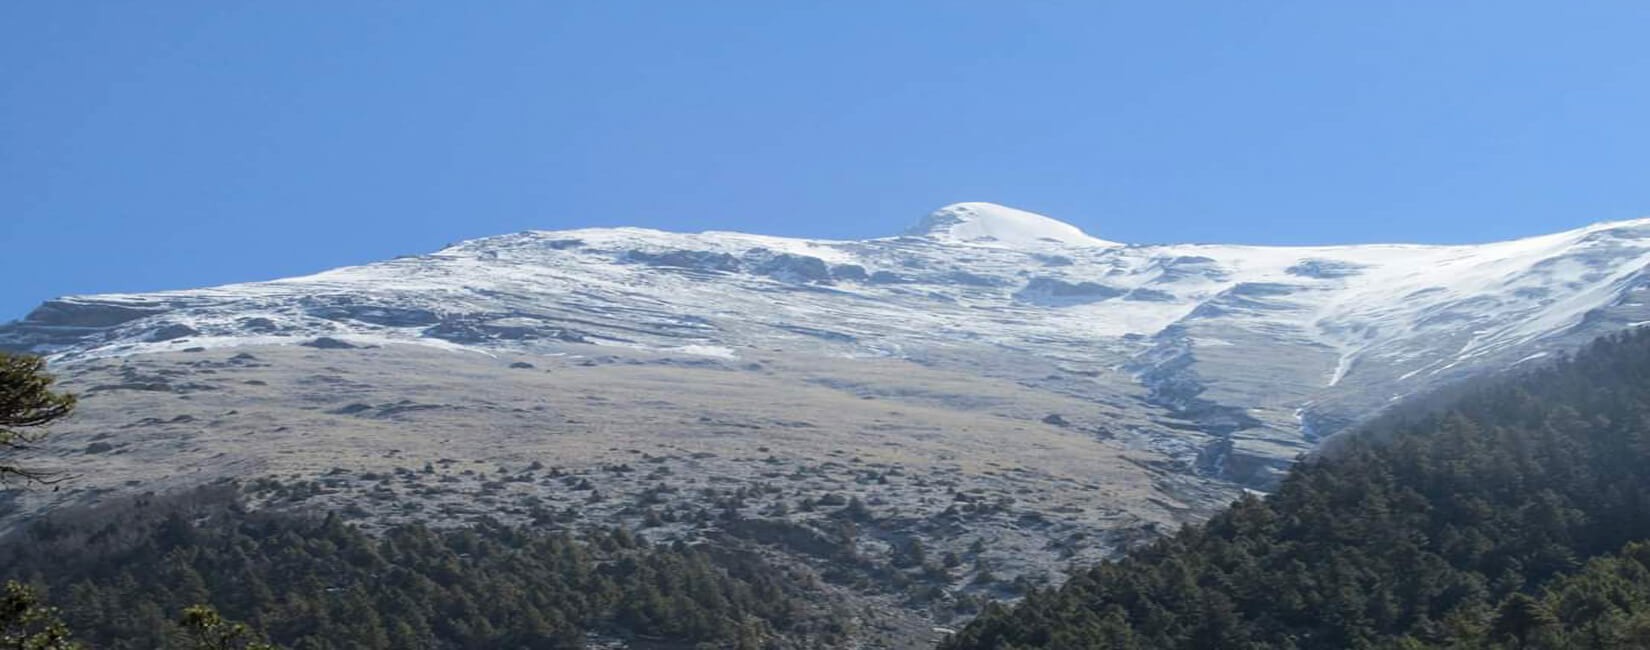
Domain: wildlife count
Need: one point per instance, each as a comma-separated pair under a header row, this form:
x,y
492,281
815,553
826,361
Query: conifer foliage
x,y
1515,516
28,624
157,573
27,405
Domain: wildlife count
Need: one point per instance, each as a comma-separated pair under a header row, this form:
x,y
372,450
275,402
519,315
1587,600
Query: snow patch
x,y
716,351
995,225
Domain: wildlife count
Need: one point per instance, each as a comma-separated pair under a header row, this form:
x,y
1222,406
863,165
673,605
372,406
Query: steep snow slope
x,y
1246,354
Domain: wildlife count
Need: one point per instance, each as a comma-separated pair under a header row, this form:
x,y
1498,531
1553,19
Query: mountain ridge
x,y
1261,350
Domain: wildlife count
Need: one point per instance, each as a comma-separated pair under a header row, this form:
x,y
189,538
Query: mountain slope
x,y
1247,354
1442,532
926,421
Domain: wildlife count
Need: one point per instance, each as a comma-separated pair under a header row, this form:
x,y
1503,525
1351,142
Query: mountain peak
x,y
989,223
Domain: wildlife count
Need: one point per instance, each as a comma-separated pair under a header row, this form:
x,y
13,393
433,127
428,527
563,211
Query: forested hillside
x,y
123,574
1512,517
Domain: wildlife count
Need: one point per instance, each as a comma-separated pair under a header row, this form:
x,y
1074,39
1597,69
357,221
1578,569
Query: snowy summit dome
x,y
989,223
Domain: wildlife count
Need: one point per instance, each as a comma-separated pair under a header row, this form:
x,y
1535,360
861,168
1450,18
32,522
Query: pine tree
x,y
27,405
27,624
209,631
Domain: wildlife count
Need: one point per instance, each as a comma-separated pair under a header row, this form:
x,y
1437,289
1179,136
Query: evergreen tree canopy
x,y
156,572
1470,525
27,405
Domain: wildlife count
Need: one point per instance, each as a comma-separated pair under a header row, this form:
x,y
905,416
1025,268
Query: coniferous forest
x,y
122,574
1517,515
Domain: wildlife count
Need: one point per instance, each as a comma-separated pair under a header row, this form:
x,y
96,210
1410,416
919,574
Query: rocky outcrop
x,y
349,308
1325,269
483,328
68,321
173,332
1055,292
786,267
686,259
70,312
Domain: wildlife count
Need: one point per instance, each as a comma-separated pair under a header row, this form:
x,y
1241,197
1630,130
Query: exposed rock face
x,y
69,312
1054,292
487,328
347,308
172,332
849,273
680,259
329,343
1324,269
797,269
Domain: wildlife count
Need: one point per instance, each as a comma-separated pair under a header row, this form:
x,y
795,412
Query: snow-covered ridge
x,y
1239,340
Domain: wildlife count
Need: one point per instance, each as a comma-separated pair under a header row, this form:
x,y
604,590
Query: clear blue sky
x,y
154,145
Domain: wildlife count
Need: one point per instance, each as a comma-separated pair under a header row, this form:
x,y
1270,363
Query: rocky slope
x,y
1247,354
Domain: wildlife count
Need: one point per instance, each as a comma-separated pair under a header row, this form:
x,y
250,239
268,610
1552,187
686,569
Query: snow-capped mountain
x,y
1244,354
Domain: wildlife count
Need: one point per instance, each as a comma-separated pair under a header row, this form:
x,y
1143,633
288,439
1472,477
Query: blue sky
x,y
155,145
